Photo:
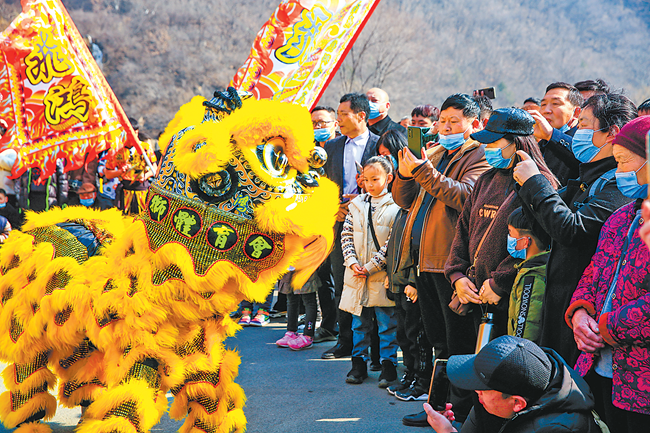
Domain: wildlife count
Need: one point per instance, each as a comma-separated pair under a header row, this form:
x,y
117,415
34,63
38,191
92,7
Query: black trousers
x,y
417,353
618,420
293,310
326,298
449,333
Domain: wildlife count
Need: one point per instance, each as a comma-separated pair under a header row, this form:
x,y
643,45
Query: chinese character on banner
x,y
298,51
53,96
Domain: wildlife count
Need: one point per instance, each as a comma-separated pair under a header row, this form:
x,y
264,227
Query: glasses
x,y
321,124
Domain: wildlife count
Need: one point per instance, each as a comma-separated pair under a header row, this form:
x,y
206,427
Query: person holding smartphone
x,y
527,389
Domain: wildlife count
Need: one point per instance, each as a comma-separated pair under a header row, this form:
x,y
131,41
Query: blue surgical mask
x,y
322,134
395,163
583,146
3,205
564,128
512,248
374,110
453,141
628,184
495,157
87,201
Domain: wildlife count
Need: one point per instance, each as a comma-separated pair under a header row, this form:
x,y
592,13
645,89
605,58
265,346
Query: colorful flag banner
x,y
298,51
53,96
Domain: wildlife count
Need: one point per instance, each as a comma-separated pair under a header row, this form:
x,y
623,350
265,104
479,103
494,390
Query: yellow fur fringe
x,y
40,401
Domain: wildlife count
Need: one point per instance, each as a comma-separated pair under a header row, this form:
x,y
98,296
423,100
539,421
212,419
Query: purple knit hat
x,y
632,135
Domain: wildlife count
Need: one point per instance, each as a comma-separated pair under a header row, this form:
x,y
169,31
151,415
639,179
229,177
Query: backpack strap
x,y
524,306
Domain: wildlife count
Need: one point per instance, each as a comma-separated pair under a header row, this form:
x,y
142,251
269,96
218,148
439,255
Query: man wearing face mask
x,y
434,189
325,124
574,216
379,121
88,195
555,125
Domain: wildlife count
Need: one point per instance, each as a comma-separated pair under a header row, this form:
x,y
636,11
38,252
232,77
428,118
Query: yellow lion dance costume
x,y
124,310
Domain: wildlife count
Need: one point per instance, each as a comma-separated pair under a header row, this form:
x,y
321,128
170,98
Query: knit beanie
x,y
632,135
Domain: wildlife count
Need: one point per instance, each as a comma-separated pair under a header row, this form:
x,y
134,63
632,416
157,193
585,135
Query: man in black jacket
x,y
521,388
354,146
555,125
378,120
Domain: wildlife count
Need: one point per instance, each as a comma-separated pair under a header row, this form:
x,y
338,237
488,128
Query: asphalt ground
x,y
294,391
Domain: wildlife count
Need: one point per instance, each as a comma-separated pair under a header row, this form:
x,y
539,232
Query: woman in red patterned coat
x,y
610,309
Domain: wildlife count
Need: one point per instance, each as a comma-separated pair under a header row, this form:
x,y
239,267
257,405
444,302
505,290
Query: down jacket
x,y
627,327
565,406
366,292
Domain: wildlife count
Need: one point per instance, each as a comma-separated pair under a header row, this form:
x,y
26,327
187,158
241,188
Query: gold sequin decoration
x,y
194,346
65,243
18,399
108,286
133,286
127,350
211,377
35,307
31,277
23,371
15,261
205,427
16,329
206,295
72,386
62,316
203,255
59,280
231,405
208,404
82,351
144,372
170,272
109,317
7,295
130,251
127,410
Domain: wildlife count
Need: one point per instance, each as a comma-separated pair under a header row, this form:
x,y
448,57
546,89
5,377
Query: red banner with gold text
x,y
298,51
53,96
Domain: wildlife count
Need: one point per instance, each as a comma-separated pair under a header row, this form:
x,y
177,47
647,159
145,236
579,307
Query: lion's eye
x,y
273,159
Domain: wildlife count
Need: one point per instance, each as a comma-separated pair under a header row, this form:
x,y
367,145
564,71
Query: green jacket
x,y
530,284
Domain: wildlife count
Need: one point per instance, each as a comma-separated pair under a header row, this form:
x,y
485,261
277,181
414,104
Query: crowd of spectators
x,y
527,218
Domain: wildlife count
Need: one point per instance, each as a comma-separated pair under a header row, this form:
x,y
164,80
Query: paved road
x,y
291,391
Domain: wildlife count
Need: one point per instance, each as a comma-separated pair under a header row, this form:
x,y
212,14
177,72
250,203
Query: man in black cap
x,y
528,388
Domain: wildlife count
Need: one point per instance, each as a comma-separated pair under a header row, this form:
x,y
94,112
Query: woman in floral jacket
x,y
610,308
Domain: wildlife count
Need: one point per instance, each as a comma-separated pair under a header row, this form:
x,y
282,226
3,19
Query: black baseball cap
x,y
507,364
504,121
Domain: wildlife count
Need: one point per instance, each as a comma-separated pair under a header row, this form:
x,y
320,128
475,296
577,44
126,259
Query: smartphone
x,y
414,139
359,168
439,388
488,92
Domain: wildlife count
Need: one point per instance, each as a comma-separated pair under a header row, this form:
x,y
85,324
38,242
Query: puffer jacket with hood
x,y
565,406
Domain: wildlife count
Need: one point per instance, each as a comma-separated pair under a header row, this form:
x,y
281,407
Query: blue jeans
x,y
387,324
266,306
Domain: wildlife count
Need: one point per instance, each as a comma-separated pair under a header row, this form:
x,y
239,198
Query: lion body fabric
x,y
119,311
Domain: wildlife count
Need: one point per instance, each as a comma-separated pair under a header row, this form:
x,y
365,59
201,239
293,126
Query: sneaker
x,y
301,342
261,319
403,384
375,366
413,393
284,341
322,334
273,314
245,318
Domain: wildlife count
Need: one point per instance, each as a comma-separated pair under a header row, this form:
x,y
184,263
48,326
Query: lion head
x,y
239,183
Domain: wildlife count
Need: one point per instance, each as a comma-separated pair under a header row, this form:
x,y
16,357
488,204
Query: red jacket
x,y
627,327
